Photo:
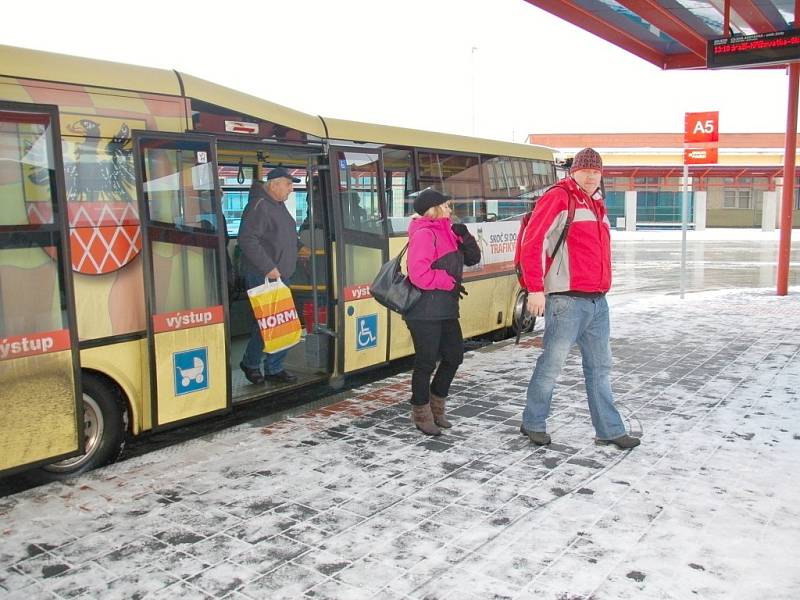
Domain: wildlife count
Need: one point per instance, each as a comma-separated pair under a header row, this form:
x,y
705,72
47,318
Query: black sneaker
x,y
623,442
254,376
540,438
281,377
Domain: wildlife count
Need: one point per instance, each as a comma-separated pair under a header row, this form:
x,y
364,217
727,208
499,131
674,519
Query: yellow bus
x,y
122,310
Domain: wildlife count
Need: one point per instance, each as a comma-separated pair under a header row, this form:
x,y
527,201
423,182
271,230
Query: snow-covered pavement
x,y
348,501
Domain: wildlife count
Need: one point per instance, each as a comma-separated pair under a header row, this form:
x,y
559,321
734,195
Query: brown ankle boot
x,y
422,417
437,408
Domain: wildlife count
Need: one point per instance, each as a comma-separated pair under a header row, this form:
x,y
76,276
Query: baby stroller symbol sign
x,y
191,370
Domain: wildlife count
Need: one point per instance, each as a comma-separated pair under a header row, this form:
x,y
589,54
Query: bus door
x,y
185,274
361,249
40,412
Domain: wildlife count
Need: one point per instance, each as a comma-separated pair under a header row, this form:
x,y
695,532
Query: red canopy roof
x,y
671,34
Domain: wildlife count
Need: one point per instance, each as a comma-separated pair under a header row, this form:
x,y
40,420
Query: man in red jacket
x,y
569,290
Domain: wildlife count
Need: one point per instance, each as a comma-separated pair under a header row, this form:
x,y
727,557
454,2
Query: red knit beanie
x,y
586,159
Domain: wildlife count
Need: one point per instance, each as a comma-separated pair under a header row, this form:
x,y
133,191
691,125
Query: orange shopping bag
x,y
276,315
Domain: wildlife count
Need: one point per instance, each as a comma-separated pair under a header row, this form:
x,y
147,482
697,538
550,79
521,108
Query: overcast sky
x,y
409,63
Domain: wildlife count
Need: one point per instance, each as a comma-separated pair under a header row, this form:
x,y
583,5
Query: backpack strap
x,y
570,218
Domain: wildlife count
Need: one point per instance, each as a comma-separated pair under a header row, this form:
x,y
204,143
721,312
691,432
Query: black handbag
x,y
392,289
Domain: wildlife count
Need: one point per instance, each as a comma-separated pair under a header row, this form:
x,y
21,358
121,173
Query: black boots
x,y
281,377
254,376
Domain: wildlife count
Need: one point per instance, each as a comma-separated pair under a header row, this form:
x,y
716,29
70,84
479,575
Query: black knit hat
x,y
586,159
429,198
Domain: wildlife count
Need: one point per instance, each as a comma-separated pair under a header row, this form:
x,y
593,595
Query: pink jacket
x,y
428,241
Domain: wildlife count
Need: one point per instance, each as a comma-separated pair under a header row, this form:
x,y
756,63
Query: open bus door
x,y
40,410
183,245
361,249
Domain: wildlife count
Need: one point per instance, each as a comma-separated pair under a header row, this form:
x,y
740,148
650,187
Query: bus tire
x,y
105,427
521,320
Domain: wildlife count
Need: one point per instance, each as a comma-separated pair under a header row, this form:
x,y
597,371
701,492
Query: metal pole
x,y
787,198
684,216
726,19
472,56
312,229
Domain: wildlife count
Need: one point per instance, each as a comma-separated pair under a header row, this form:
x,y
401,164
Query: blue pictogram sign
x,y
191,370
366,332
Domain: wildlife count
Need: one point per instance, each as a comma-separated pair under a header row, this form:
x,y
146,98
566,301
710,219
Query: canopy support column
x,y
787,199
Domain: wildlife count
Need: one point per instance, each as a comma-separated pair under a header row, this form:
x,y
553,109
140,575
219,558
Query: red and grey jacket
x,y
583,263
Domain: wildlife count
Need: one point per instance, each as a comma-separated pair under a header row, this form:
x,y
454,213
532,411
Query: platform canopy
x,y
672,34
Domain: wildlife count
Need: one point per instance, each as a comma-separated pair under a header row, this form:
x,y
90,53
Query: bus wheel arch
x,y
105,427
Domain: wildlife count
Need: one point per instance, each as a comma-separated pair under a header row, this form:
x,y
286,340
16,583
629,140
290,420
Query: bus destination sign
x,y
759,49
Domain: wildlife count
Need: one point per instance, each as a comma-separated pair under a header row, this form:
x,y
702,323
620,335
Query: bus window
x,y
27,179
511,185
179,192
234,182
459,176
28,183
358,192
399,184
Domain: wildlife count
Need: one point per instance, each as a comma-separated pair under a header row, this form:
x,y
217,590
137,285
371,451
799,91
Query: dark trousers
x,y
434,340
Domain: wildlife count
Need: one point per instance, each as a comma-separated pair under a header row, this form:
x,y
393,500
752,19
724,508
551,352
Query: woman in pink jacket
x,y
438,249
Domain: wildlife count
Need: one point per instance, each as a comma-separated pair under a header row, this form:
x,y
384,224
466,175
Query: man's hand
x,y
535,304
274,274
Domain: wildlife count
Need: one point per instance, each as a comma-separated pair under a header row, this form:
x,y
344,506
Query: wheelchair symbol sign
x,y
366,332
191,371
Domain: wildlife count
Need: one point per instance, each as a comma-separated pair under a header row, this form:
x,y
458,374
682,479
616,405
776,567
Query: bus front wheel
x,y
104,429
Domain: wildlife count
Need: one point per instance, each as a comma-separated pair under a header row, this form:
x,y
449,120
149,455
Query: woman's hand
x,y
460,229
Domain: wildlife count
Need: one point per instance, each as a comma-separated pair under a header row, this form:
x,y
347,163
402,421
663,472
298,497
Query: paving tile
x,y
131,557
181,589
332,589
20,577
287,582
270,553
138,584
90,579
223,578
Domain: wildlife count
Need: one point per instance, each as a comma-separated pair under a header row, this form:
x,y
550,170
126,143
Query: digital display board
x,y
759,49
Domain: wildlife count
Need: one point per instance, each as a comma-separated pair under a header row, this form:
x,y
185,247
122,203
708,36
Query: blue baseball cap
x,y
281,172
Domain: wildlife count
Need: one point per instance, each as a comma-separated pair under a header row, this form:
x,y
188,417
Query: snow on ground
x,y
349,501
708,234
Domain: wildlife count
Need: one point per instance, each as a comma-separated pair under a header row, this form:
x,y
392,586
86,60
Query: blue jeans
x,y
570,319
254,352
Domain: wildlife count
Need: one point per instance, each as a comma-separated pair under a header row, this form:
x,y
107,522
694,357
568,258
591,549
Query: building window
x,y
737,199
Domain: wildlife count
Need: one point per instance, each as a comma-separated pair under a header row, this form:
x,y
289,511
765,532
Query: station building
x,y
643,176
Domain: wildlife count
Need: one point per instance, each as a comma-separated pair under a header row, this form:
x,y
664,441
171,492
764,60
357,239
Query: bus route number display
x,y
758,49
